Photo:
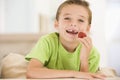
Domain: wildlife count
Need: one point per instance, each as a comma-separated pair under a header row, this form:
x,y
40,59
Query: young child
x,y
64,54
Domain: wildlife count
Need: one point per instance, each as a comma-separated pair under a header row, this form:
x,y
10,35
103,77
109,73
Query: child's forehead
x,y
74,9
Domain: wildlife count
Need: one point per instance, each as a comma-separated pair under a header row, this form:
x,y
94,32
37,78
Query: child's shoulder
x,y
51,35
95,51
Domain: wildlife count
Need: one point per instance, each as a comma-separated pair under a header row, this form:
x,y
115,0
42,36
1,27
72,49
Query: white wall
x,y
113,35
2,16
18,16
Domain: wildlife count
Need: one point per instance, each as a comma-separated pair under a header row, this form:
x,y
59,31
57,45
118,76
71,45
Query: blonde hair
x,y
76,2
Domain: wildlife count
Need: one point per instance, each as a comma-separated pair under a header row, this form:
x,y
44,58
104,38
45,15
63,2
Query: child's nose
x,y
73,25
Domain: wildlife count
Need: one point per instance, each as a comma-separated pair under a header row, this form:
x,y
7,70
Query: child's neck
x,y
70,47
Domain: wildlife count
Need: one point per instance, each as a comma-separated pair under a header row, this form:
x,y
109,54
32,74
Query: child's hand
x,y
85,51
86,46
89,76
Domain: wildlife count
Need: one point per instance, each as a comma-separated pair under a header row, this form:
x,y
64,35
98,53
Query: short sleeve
x,y
40,51
94,60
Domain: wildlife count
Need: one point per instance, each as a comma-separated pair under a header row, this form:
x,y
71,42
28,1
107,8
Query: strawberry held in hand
x,y
81,35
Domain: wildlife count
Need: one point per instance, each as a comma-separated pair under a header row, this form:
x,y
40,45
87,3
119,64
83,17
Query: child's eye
x,y
67,18
80,20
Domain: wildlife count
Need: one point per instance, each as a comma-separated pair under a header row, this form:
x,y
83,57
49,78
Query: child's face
x,y
72,19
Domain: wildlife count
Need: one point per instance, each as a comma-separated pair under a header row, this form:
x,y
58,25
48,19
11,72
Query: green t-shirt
x,y
53,55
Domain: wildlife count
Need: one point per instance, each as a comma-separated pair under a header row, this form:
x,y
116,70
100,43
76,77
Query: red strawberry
x,y
81,35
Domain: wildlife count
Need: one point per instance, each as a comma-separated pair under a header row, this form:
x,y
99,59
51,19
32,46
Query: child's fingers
x,y
86,41
98,76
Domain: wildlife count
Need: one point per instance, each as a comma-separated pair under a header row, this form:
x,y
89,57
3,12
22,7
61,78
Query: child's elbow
x,y
29,75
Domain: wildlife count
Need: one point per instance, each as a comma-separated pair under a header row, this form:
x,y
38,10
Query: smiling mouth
x,y
72,32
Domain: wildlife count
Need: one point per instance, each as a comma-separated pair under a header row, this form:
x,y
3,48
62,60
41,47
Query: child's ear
x,y
56,24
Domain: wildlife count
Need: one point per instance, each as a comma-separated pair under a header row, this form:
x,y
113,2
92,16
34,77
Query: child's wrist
x,y
84,66
84,59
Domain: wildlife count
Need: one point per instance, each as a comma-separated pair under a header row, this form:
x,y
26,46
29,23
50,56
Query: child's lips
x,y
72,31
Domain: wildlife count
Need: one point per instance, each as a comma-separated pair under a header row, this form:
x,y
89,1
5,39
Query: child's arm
x,y
37,70
85,52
